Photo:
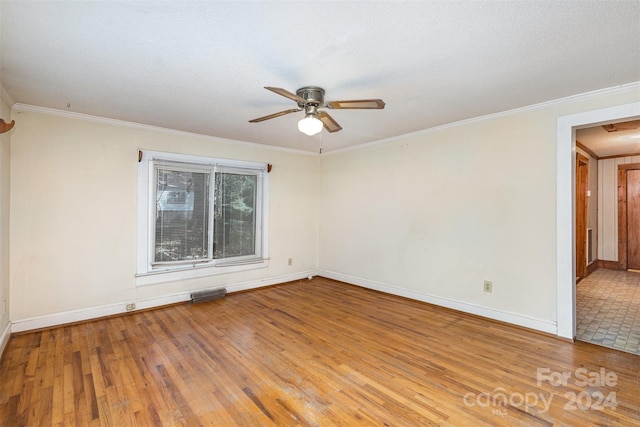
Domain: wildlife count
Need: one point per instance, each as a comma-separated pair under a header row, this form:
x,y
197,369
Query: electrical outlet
x,y
131,307
290,261
488,286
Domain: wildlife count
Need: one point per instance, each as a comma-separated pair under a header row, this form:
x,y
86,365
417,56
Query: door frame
x,y
623,255
582,165
565,206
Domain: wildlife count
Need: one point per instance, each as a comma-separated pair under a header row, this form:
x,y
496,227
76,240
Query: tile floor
x,y
608,309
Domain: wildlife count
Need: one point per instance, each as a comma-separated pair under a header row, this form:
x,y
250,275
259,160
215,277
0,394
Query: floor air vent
x,y
208,295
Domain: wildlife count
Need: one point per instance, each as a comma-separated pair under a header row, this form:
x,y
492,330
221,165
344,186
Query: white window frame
x,y
146,272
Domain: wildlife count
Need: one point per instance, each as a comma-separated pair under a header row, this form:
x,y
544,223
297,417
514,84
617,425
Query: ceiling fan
x,y
311,100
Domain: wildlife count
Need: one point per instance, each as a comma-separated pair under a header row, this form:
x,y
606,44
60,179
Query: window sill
x,y
176,274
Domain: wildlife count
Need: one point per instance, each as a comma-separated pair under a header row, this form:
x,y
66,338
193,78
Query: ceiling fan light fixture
x,y
310,125
311,100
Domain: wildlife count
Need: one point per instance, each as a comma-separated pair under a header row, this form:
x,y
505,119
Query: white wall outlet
x,y
290,261
131,307
488,286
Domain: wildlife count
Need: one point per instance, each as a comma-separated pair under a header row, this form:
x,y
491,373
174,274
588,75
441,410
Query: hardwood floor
x,y
314,352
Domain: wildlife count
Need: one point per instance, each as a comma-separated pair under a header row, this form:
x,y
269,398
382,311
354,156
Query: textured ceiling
x,y
201,66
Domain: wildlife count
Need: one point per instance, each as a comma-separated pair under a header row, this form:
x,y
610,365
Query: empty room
x,y
279,213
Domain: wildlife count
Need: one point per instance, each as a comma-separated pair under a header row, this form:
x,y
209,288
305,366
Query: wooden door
x,y
629,216
633,219
582,184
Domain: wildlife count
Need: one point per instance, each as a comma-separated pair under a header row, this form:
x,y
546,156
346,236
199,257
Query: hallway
x,y
608,309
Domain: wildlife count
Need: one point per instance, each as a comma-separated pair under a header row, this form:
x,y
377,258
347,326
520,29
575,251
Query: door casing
x,y
582,185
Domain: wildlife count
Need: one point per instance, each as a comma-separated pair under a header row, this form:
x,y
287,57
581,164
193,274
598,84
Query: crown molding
x,y
116,122
535,107
123,123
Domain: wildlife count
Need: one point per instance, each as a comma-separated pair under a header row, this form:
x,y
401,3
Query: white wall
x,y
5,162
73,228
608,206
434,214
429,215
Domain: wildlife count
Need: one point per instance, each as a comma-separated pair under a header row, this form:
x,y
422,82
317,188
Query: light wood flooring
x,y
311,353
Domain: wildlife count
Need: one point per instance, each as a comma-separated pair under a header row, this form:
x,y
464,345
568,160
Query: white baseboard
x,y
503,316
56,319
89,313
4,338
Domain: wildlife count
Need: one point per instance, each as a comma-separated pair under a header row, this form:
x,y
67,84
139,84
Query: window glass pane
x,y
235,215
182,211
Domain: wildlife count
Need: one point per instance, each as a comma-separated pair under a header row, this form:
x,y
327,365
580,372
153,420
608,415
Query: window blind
x,y
182,226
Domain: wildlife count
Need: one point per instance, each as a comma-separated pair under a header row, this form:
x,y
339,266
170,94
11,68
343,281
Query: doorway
x,y
565,202
608,296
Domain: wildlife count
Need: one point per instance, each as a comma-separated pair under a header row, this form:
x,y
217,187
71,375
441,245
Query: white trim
x,y
4,338
84,314
502,316
160,276
145,274
573,98
134,125
6,97
535,107
566,149
89,313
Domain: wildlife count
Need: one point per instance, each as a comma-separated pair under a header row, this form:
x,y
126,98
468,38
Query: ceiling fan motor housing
x,y
313,95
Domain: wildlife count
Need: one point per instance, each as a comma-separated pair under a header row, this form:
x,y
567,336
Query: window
x,y
198,214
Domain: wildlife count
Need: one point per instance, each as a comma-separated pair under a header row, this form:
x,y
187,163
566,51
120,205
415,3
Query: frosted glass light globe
x,y
310,125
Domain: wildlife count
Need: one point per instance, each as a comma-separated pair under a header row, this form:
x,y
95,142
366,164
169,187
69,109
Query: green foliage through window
x,y
234,218
199,220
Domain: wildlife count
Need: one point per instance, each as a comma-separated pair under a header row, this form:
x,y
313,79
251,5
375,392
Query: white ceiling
x,y
201,66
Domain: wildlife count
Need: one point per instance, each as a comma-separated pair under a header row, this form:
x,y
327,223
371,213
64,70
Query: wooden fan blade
x,y
6,127
286,94
272,116
369,104
328,122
